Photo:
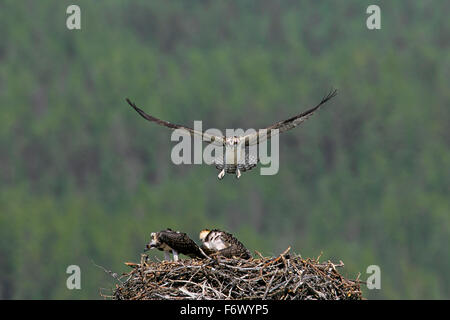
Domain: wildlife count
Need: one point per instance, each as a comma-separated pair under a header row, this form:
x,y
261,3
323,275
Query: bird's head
x,y
154,242
203,234
232,141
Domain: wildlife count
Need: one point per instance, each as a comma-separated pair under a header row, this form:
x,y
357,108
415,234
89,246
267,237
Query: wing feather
x,y
204,136
235,251
285,125
180,242
234,246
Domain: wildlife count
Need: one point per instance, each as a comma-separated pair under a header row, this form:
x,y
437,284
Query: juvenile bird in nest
x,y
218,242
174,242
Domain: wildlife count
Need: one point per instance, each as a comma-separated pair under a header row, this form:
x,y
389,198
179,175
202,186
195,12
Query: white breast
x,y
218,245
232,154
215,242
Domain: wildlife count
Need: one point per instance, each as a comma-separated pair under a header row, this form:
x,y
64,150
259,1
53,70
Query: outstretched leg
x,y
238,173
175,255
221,174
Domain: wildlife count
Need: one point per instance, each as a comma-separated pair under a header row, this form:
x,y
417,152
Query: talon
x,y
238,173
221,174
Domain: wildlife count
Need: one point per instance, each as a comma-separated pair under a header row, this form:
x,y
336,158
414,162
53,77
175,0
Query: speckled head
x,y
154,242
203,234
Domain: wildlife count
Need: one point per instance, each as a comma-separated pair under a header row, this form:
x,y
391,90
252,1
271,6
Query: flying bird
x,y
218,242
174,242
237,157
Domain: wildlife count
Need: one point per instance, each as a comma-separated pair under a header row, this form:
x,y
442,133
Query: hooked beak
x,y
152,244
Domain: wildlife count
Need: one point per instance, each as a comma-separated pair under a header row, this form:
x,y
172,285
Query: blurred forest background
x,y
84,179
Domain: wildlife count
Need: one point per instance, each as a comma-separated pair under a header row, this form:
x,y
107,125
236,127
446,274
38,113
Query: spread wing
x,y
180,242
285,125
204,136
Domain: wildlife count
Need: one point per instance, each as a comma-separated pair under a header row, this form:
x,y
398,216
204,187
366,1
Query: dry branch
x,y
286,277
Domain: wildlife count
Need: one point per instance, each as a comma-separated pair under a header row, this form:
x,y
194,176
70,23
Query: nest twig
x,y
286,277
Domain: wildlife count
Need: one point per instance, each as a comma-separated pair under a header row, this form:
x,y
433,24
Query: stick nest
x,y
286,277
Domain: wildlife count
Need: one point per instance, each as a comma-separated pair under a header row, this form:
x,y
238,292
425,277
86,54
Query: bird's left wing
x,y
179,241
285,125
216,140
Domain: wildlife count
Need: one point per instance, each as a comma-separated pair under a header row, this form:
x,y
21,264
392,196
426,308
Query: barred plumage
x,y
250,161
222,243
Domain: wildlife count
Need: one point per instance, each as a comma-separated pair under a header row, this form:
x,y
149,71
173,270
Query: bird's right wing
x,y
216,140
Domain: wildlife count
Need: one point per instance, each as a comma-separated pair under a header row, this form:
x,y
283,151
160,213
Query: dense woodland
x,y
84,179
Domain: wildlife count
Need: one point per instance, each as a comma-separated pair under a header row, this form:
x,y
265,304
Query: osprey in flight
x,y
222,243
175,242
229,162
